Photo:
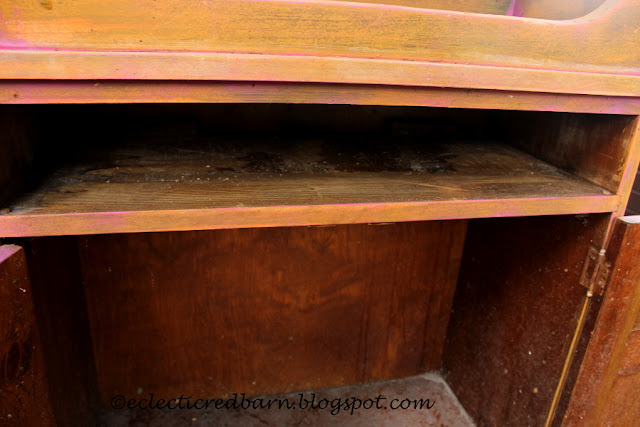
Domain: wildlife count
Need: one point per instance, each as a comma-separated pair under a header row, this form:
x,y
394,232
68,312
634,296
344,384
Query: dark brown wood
x,y
608,383
268,310
514,314
594,147
630,357
24,385
60,308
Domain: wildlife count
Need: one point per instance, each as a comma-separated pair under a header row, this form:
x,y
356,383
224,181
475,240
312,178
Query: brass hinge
x,y
595,272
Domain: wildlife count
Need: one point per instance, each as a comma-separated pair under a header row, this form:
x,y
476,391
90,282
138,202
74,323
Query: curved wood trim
x,y
15,64
153,91
350,42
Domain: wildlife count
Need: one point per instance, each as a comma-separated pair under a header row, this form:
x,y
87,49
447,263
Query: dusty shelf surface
x,y
442,408
158,185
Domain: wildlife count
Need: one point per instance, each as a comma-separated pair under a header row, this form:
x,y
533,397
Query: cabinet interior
x,y
261,308
143,168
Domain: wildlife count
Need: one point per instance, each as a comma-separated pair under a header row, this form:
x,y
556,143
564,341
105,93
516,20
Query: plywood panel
x,y
268,310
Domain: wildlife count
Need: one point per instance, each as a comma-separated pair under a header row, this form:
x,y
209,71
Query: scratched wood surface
x,y
323,41
607,386
222,183
24,385
268,310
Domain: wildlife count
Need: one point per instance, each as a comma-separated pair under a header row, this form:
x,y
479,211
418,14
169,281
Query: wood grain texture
x,y
114,91
322,41
62,318
514,314
598,148
330,29
264,311
89,65
606,389
498,7
24,385
157,186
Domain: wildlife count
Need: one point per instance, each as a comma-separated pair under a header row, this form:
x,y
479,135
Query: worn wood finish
x,y
330,29
89,65
516,307
158,186
334,42
599,148
24,386
607,386
266,311
114,91
62,318
445,408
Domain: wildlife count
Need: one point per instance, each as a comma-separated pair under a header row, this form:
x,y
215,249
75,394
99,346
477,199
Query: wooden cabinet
x,y
258,198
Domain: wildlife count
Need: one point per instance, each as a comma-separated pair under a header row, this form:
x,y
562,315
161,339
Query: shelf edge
x,y
29,225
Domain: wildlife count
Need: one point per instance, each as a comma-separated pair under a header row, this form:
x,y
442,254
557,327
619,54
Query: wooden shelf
x,y
445,409
214,183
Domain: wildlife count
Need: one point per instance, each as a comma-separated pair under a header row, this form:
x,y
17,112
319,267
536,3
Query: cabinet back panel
x,y
268,310
595,147
54,269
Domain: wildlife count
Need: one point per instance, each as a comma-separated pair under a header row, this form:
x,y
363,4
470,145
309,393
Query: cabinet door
x,y
607,392
24,390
